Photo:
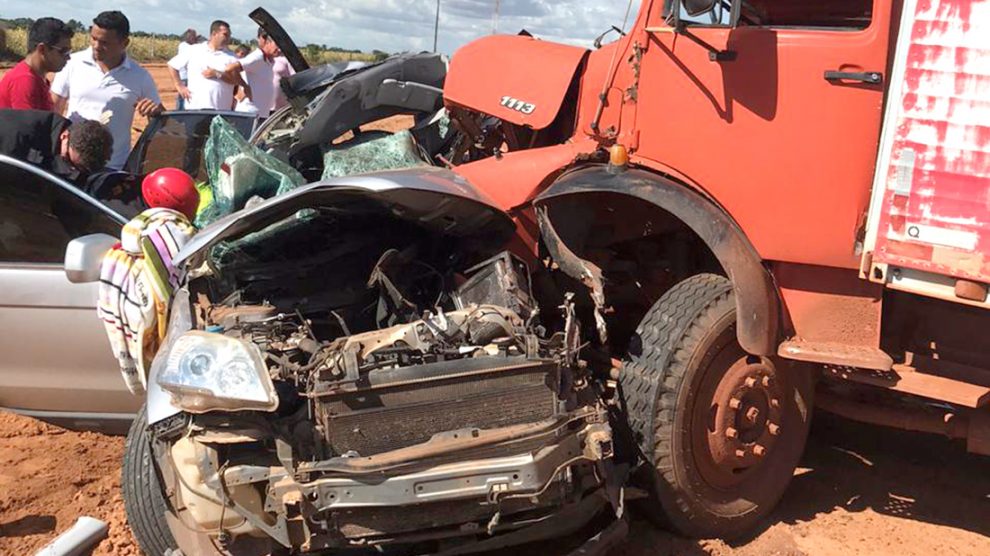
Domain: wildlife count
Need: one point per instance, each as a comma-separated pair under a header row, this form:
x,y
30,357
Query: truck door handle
x,y
872,77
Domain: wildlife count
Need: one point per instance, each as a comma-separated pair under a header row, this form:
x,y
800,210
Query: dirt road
x,y
860,491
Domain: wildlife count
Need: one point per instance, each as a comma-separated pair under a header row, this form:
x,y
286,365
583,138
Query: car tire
x,y
144,502
721,431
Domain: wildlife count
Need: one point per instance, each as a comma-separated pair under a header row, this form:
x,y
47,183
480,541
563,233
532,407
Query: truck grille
x,y
403,407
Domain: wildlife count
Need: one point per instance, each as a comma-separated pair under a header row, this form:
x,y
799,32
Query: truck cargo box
x,y
929,222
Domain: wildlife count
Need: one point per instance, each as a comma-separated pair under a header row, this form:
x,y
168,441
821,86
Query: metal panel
x,y
932,188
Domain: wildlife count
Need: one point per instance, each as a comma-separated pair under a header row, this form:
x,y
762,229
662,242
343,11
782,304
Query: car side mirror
x,y
84,257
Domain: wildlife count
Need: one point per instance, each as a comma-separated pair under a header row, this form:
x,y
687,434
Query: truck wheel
x,y
721,431
144,503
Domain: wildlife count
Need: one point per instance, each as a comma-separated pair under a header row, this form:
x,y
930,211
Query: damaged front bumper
x,y
469,485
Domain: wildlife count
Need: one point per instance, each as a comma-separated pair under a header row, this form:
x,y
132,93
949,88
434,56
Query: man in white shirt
x,y
205,65
189,38
256,71
103,84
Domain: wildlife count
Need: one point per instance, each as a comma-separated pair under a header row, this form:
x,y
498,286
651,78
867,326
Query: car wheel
x,y
143,499
721,431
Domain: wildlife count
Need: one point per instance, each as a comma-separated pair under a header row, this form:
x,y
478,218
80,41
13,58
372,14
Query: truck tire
x,y
144,503
720,431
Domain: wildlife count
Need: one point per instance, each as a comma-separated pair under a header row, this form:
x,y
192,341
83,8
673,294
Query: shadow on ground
x,y
30,525
851,470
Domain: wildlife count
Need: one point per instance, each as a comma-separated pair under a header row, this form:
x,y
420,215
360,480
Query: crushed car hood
x,y
433,198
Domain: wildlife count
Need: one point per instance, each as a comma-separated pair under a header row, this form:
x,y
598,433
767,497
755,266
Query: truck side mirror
x,y
694,8
84,256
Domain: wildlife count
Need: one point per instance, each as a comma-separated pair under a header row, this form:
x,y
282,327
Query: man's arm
x,y
232,74
181,89
149,104
179,61
60,90
60,103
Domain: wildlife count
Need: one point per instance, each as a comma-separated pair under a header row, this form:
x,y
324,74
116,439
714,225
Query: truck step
x,y
907,380
918,376
834,353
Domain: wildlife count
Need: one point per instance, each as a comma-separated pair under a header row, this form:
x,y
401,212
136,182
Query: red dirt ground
x,y
860,491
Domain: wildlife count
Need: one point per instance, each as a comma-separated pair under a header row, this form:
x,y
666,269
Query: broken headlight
x,y
206,372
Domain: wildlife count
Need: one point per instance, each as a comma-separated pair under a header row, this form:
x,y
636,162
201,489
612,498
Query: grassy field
x,y
152,49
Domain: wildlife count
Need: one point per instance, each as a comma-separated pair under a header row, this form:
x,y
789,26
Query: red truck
x,y
707,180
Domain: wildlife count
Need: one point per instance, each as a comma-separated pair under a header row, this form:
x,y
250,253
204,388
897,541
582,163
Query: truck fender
x,y
757,302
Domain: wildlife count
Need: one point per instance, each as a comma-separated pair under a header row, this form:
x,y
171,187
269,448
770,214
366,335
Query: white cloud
x,y
389,25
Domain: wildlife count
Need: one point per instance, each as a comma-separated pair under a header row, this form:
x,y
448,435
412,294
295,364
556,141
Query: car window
x,y
177,141
39,217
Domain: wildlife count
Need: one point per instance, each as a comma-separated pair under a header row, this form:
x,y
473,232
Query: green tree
x,y
76,26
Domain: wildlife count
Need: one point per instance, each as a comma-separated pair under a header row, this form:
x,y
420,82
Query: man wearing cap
x,y
102,83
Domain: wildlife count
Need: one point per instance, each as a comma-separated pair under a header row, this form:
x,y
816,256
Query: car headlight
x,y
204,372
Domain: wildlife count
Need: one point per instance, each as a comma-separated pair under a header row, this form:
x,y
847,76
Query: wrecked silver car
x,y
354,357
356,363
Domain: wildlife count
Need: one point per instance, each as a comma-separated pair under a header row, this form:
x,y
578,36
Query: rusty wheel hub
x,y
744,421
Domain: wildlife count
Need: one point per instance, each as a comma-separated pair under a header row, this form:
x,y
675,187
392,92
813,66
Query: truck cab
x,y
765,206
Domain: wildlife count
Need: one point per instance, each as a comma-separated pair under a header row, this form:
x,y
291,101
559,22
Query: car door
x,y
56,362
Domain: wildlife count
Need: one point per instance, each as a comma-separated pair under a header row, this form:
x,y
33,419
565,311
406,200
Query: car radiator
x,y
395,408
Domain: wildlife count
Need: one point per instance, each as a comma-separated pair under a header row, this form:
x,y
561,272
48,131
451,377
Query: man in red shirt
x,y
25,87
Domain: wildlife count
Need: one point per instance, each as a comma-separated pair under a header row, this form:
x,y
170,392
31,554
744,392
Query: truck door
x,y
929,223
777,119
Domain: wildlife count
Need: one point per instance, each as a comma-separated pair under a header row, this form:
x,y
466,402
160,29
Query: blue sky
x,y
389,25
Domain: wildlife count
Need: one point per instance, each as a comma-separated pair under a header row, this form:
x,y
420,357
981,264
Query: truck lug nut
x,y
740,453
774,402
735,403
731,432
766,382
774,429
751,382
752,414
759,451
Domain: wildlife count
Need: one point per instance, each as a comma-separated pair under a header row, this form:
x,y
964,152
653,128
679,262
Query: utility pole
x,y
495,18
436,27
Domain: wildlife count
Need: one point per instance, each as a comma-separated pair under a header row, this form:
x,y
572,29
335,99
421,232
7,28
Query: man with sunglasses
x,y
25,86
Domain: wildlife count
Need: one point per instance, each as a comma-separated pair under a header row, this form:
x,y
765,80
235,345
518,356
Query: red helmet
x,y
171,188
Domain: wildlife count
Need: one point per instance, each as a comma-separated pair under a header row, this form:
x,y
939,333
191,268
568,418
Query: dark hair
x,y
114,21
92,142
47,30
217,24
262,34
